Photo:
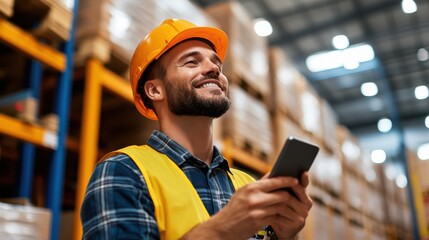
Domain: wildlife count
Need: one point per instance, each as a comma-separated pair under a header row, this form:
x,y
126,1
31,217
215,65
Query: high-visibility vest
x,y
178,207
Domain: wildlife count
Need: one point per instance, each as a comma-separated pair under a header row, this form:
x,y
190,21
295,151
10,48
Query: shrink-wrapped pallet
x,y
310,109
24,222
355,191
248,123
284,127
327,170
318,224
330,123
375,202
113,28
284,84
351,151
247,58
340,225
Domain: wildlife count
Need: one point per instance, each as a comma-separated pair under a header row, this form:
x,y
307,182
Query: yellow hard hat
x,y
169,33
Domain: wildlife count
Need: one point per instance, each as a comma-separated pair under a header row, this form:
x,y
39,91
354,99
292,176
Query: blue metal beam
x,y
57,166
397,127
27,149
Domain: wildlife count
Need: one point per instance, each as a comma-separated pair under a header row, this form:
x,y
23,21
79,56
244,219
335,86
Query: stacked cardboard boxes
x,y
24,222
110,30
247,58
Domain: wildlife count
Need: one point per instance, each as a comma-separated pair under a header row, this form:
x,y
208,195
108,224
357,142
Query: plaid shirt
x,y
117,203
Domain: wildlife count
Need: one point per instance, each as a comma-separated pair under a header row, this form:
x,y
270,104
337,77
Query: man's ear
x,y
154,89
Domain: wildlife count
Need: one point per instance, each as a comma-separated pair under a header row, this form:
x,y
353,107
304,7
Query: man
x,y
178,185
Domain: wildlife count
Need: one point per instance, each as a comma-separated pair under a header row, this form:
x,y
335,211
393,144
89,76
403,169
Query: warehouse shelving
x,y
61,61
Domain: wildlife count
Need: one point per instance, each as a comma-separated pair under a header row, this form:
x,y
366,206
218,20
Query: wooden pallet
x,y
49,20
251,148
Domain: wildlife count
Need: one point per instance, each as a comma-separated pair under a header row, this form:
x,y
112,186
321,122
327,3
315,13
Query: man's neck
x,y
193,133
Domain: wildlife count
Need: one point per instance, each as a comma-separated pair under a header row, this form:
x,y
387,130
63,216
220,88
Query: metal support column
x,y
28,149
56,171
89,142
394,114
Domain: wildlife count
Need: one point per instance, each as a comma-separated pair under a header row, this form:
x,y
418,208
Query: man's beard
x,y
183,101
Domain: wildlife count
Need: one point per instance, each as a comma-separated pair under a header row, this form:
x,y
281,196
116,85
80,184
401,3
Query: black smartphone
x,y
296,157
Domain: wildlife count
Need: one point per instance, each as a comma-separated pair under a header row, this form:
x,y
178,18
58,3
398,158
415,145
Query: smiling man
x,y
178,185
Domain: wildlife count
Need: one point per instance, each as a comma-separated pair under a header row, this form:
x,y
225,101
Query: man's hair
x,y
155,70
152,71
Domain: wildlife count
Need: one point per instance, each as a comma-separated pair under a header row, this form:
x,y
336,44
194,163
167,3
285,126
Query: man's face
x,y
194,83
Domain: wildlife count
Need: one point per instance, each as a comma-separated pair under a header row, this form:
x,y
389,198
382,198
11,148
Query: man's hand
x,y
258,204
291,217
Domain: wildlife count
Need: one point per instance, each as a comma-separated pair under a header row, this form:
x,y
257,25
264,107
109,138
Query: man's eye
x,y
193,62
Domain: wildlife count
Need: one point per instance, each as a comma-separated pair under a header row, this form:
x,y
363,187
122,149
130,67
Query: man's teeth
x,y
208,85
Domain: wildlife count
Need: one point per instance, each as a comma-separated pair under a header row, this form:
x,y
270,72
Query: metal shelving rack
x,y
34,135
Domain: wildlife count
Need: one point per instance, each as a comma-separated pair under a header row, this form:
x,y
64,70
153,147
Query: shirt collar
x,y
164,144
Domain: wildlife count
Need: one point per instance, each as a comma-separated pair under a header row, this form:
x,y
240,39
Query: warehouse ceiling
x,y
306,27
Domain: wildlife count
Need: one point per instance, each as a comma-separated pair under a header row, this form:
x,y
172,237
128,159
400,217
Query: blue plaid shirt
x,y
117,203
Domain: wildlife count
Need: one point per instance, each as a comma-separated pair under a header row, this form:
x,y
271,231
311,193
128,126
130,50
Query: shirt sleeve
x,y
117,204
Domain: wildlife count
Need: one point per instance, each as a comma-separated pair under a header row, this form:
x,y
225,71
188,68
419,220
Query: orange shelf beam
x,y
25,42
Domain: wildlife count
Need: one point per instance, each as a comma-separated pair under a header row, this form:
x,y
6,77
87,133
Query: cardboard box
x,y
248,124
116,27
24,222
247,58
284,80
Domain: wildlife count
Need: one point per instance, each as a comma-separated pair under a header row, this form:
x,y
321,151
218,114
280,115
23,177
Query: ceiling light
x,y
262,27
369,89
350,63
427,121
421,92
378,156
384,125
409,6
401,181
347,58
340,42
422,55
423,152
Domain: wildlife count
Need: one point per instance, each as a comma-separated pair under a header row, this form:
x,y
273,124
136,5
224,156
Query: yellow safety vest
x,y
178,207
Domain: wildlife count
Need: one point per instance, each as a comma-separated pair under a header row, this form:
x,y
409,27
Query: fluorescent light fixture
x,y
422,55
262,27
423,152
427,121
409,6
369,89
340,42
324,61
350,63
421,92
349,58
384,125
401,181
378,156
